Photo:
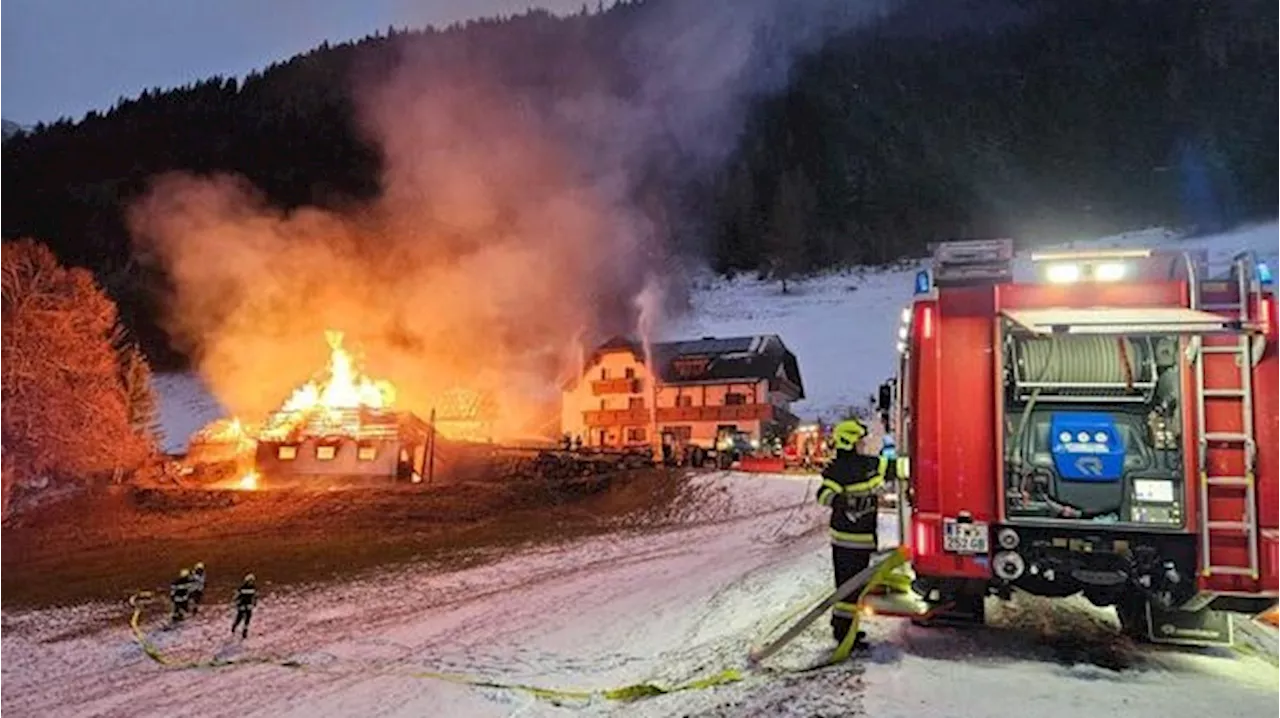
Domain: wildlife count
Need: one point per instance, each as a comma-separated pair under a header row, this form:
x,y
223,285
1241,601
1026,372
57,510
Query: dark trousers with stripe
x,y
847,562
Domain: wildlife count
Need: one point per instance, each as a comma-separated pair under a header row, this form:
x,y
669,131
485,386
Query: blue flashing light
x,y
1264,273
924,282
1086,446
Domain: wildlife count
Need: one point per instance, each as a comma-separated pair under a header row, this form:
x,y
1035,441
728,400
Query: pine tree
x,y
140,397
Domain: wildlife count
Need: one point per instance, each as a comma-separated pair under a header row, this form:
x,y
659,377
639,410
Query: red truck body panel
x,y
955,394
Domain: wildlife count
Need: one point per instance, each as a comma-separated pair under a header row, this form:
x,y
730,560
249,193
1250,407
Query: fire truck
x,y
1100,423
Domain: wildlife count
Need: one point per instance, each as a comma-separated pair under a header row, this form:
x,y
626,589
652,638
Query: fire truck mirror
x,y
886,397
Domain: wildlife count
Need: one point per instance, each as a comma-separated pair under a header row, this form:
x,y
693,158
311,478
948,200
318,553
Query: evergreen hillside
x,y
924,120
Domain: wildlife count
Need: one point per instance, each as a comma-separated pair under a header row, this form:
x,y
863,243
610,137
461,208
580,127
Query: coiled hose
x,y
1079,360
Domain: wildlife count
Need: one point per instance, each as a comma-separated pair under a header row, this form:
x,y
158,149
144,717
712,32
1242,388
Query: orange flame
x,y
346,387
325,405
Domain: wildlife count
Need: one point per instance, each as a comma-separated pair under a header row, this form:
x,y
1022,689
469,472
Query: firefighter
x,y
180,594
851,484
197,587
246,598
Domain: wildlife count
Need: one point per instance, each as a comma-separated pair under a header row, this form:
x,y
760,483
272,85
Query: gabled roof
x,y
712,359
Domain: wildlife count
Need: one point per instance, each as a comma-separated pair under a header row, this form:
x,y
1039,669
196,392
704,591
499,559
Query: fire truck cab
x,y
1098,423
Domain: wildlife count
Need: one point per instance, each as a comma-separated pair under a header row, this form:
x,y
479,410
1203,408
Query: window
x,y
635,402
631,373
604,373
367,453
326,452
690,367
287,453
684,400
603,405
635,434
680,433
734,399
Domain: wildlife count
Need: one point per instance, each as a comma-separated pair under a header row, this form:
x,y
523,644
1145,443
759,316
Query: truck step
x,y
1221,307
1228,480
1234,393
1222,349
1227,437
1240,526
1231,570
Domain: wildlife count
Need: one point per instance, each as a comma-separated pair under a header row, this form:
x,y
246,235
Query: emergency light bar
x,y
1090,255
1105,265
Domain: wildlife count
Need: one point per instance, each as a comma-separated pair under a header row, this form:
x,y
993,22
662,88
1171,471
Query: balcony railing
x,y
729,412
615,386
616,417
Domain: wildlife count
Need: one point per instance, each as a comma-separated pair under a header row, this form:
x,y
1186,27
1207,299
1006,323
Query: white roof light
x,y
906,315
1063,273
1109,272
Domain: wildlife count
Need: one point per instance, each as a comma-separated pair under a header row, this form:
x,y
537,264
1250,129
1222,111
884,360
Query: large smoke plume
x,y
517,221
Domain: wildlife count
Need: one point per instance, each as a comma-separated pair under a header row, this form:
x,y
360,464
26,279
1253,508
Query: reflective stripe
x,y
867,486
825,496
845,539
832,485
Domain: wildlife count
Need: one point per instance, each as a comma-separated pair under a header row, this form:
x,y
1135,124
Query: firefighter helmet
x,y
848,433
248,578
184,573
199,566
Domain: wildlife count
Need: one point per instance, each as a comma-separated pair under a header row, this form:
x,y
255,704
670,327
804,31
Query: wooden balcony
x,y
615,386
723,414
617,417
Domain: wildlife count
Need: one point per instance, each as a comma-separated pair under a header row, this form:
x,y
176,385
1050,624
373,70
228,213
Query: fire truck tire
x,y
1131,610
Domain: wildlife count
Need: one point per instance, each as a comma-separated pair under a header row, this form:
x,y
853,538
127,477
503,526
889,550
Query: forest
x,y
922,121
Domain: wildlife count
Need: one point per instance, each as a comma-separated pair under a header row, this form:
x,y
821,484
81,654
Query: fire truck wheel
x,y
1132,612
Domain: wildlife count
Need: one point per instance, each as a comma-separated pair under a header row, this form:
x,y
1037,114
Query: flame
x,y
248,482
346,387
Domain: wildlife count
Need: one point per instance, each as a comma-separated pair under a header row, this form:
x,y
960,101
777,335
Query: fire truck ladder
x,y
1239,437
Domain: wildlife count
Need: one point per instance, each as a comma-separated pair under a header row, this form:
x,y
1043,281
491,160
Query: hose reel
x,y
1083,368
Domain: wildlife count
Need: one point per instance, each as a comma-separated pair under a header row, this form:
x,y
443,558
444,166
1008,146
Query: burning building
x,y
339,427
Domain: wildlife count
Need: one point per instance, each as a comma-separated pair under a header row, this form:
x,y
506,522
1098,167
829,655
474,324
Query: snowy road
x,y
635,606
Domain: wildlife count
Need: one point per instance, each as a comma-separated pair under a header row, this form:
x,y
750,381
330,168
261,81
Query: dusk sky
x,y
66,57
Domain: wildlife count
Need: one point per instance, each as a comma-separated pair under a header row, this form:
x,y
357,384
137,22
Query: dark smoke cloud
x,y
518,220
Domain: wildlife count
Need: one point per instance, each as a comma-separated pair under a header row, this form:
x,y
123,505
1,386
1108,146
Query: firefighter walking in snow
x,y
246,598
180,595
197,587
851,485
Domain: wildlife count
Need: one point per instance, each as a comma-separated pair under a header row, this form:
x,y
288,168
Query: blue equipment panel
x,y
1086,446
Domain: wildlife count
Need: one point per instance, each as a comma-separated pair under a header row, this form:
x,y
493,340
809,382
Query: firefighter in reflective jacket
x,y
246,598
180,595
851,485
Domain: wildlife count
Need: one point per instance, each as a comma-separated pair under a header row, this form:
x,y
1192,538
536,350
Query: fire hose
x,y
878,574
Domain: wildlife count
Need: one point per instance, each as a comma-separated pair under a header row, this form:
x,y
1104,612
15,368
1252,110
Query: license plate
x,y
964,538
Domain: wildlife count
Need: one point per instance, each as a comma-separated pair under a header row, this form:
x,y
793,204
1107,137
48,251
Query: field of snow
x,y
635,606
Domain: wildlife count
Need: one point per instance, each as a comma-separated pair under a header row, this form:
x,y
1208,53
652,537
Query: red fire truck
x,y
1105,425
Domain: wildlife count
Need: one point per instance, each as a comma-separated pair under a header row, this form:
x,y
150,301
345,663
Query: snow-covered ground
x,y
632,607
636,606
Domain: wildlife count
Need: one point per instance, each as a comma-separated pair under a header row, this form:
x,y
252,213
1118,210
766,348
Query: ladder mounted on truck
x,y
1228,433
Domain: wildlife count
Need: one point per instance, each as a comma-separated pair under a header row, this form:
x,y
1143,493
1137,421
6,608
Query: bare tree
x,y
65,410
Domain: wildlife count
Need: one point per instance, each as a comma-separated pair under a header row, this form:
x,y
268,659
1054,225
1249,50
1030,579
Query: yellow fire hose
x,y
880,574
